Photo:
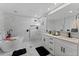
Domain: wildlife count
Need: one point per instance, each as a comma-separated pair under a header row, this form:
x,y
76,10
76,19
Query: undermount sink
x,y
10,45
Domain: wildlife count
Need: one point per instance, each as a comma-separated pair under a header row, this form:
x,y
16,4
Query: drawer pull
x,y
63,50
50,48
51,42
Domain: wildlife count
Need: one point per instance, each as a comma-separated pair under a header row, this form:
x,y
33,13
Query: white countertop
x,y
72,40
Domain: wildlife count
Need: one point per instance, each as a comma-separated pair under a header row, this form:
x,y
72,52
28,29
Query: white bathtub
x,y
15,43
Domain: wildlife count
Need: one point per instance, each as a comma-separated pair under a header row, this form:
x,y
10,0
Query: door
x,y
70,49
63,48
58,47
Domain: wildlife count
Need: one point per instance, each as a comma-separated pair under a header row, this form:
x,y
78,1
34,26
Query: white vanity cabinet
x,y
49,44
78,49
64,48
58,47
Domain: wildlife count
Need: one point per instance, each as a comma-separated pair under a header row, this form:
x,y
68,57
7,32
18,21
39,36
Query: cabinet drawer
x,y
51,44
50,49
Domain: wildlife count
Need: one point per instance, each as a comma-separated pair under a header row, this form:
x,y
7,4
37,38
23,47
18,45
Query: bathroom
x,y
39,29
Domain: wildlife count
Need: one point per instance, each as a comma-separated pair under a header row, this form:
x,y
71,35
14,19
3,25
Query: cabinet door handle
x,y
51,49
44,39
63,50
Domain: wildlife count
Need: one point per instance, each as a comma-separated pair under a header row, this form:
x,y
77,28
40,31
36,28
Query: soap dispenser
x,y
69,34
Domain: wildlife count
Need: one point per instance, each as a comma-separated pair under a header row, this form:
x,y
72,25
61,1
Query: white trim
x,y
59,8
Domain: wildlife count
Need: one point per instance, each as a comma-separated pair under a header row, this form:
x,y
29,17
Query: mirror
x,y
71,23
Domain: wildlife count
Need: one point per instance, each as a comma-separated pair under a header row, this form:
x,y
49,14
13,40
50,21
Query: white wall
x,y
1,21
54,24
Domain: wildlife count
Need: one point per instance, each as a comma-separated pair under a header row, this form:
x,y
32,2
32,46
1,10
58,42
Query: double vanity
x,y
61,45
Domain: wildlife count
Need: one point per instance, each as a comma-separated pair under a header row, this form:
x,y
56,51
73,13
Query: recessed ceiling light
x,y
70,11
48,9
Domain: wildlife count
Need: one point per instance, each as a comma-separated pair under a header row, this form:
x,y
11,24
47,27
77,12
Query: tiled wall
x,y
2,32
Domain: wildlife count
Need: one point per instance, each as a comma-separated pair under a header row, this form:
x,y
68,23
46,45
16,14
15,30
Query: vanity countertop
x,y
72,40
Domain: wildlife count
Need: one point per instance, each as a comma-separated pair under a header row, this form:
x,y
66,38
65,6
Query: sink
x,y
11,45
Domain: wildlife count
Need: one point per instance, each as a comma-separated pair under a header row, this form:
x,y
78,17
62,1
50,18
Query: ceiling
x,y
68,11
28,9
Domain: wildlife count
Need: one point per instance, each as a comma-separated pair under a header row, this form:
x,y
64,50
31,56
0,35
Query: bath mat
x,y
42,51
19,52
